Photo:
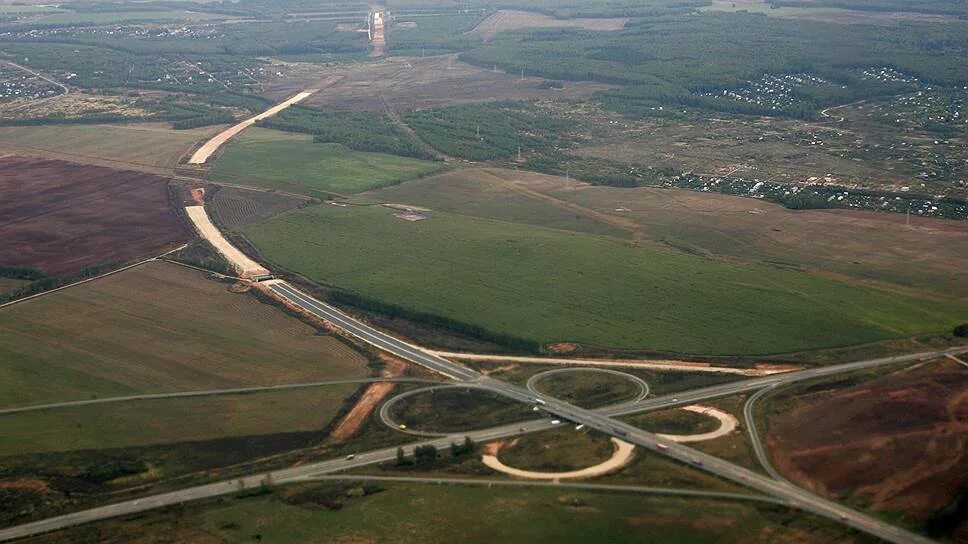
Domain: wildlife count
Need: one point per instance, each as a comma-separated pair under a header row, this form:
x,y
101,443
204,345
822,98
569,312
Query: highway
x,y
602,420
754,435
312,470
370,335
606,423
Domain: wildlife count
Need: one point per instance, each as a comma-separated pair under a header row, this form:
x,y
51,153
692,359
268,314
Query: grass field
x,y
141,423
674,421
547,285
474,192
142,144
156,328
414,513
589,389
292,162
456,410
558,450
867,247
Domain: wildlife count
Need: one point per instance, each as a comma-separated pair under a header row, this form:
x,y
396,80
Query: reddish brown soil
x,y
371,398
61,217
899,442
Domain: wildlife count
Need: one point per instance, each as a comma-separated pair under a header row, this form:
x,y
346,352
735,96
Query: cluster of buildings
x,y
886,73
194,32
15,84
772,91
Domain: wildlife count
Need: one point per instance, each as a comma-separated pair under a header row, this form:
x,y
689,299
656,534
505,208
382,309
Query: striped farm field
x,y
157,328
151,422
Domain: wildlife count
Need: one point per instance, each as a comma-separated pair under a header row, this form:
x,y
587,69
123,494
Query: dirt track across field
x,y
509,19
61,217
621,457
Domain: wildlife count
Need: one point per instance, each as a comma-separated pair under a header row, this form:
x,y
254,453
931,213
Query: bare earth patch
x,y
374,394
412,83
509,19
899,441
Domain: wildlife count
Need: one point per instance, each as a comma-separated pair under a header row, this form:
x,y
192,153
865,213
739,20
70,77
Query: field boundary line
x,y
200,269
109,273
208,392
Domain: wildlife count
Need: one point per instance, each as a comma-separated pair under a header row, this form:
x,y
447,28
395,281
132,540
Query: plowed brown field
x,y
61,217
898,442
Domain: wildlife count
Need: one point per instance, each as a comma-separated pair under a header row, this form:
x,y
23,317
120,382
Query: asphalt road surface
x,y
602,421
605,423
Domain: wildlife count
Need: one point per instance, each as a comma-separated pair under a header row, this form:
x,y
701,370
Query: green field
x,y
292,162
156,328
589,389
140,423
548,285
431,513
143,144
456,410
558,450
674,421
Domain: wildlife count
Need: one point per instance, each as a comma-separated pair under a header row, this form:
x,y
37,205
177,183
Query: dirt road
x,y
245,266
203,153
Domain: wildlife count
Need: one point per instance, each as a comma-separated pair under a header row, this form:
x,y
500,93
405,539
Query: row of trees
x,y
360,131
488,131
364,303
426,457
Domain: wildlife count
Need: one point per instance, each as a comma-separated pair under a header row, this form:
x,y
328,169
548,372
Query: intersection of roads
x,y
604,420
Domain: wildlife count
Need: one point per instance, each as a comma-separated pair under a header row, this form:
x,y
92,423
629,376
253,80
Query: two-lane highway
x,y
371,335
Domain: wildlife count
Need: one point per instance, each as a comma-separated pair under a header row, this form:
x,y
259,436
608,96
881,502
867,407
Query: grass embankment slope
x,y
548,285
292,162
149,144
156,328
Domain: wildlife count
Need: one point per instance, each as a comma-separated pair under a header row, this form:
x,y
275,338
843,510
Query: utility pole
x,y
519,152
